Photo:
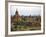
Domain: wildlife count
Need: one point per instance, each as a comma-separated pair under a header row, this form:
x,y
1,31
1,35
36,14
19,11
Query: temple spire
x,y
16,13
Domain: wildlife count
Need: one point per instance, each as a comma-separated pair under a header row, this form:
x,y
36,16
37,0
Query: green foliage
x,y
21,25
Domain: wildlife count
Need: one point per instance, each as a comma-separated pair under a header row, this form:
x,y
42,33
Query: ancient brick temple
x,y
17,17
17,14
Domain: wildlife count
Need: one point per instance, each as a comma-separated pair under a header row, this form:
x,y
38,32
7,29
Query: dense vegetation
x,y
25,23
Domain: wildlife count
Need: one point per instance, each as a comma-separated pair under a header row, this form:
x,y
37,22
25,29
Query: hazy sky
x,y
25,10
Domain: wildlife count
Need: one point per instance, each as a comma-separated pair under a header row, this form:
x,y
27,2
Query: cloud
x,y
25,10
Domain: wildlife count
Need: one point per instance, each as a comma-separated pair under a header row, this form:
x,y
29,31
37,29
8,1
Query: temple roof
x,y
16,13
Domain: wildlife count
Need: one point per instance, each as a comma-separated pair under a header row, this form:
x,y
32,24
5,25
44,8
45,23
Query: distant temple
x,y
17,14
17,17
